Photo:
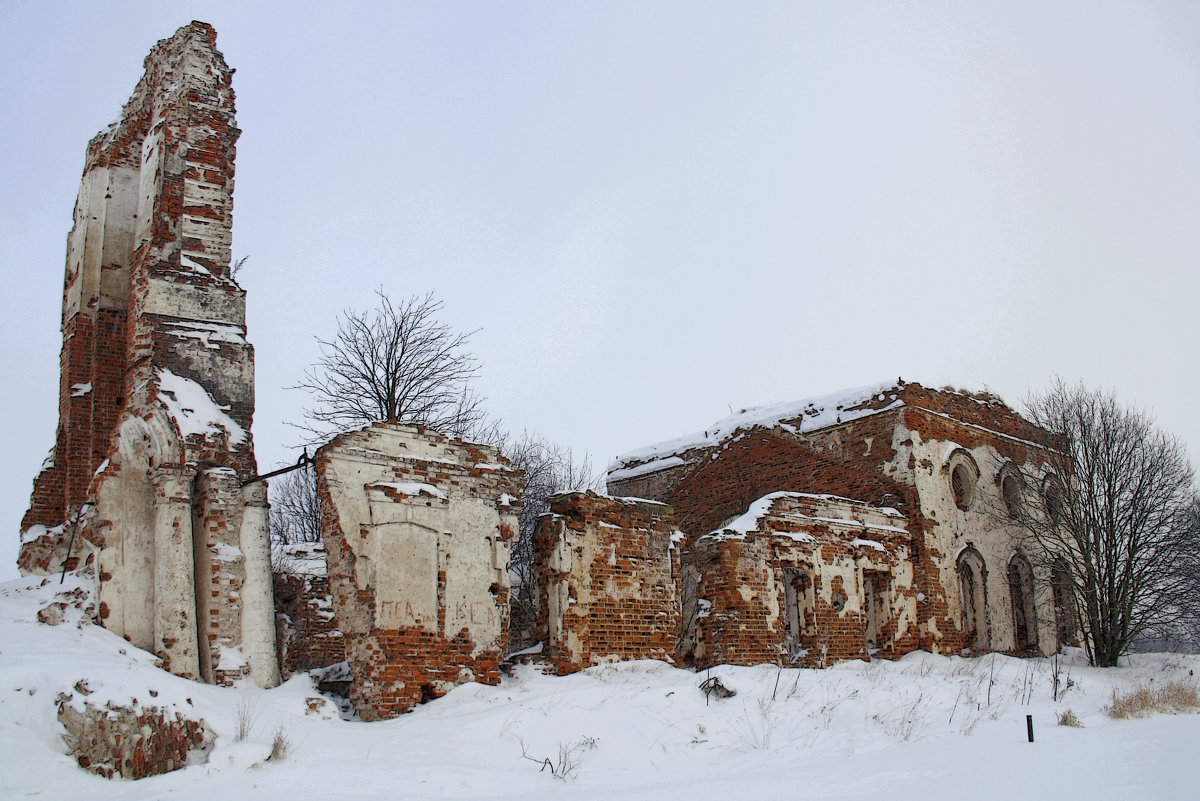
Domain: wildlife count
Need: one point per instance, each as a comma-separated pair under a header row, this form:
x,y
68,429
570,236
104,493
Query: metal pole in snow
x,y
1029,726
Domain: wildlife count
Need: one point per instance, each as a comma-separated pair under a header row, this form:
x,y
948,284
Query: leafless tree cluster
x,y
549,469
394,362
1111,517
295,508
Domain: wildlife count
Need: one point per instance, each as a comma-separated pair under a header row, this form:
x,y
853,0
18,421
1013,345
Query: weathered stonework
x,y
417,527
606,581
948,576
803,580
309,636
129,742
145,483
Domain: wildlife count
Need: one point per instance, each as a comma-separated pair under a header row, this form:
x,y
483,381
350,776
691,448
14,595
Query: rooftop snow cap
x,y
807,414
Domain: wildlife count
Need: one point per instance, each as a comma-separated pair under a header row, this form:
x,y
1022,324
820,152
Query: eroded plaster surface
x,y
417,528
149,483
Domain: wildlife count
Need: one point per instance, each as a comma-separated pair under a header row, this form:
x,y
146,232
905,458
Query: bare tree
x,y
1182,632
1109,517
549,469
295,508
394,362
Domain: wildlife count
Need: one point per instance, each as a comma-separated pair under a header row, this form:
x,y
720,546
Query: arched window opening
x,y
1011,488
972,576
1020,586
1055,500
962,483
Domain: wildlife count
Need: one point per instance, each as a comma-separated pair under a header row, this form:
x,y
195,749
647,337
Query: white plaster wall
x,y
983,525
400,543
149,183
475,559
174,299
175,623
125,511
120,219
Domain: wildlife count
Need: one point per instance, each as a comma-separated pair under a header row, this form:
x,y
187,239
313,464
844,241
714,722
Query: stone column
x,y
220,568
174,571
258,603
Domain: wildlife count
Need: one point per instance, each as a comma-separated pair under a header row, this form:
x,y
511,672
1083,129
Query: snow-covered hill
x,y
928,727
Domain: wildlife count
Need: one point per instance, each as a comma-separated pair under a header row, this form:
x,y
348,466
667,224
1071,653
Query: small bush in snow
x,y
246,713
1172,698
280,745
570,756
1068,718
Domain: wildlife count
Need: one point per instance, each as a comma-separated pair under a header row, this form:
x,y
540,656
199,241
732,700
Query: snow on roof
x,y
194,410
652,466
807,414
751,520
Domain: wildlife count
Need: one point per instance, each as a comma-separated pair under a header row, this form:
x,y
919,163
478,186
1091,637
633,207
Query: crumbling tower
x,y
156,394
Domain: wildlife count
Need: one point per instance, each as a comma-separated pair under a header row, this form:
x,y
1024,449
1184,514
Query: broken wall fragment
x,y
417,527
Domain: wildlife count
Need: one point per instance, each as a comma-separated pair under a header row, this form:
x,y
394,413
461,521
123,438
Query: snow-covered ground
x,y
926,726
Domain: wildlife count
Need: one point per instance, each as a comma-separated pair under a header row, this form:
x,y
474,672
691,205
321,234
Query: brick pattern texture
x,y
308,634
607,581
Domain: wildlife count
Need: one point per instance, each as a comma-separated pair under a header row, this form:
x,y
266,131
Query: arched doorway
x,y
1020,586
972,578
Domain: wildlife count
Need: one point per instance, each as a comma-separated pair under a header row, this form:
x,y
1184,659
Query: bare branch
x,y
394,362
295,514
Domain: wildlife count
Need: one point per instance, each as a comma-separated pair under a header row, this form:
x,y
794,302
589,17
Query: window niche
x,y
1054,499
800,609
1012,490
964,476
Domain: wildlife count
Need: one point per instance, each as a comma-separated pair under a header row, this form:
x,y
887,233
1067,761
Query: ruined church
x,y
864,524
861,525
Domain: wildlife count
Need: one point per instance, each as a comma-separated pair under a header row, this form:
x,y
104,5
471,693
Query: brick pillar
x,y
258,604
174,571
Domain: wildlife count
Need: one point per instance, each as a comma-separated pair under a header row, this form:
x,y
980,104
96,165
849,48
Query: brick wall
x,y
738,609
871,457
763,461
606,572
309,636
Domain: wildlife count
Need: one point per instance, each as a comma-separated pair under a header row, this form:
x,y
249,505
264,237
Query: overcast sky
x,y
657,212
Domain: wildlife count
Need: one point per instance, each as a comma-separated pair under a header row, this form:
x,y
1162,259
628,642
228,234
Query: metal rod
x,y
304,461
1029,726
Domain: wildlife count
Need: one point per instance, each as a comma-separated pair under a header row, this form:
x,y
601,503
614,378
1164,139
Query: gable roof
x,y
805,415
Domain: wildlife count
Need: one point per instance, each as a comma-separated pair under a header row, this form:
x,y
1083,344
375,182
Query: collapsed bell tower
x,y
148,482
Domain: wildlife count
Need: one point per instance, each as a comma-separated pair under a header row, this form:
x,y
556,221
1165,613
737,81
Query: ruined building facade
x,y
865,524
148,483
417,527
607,578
